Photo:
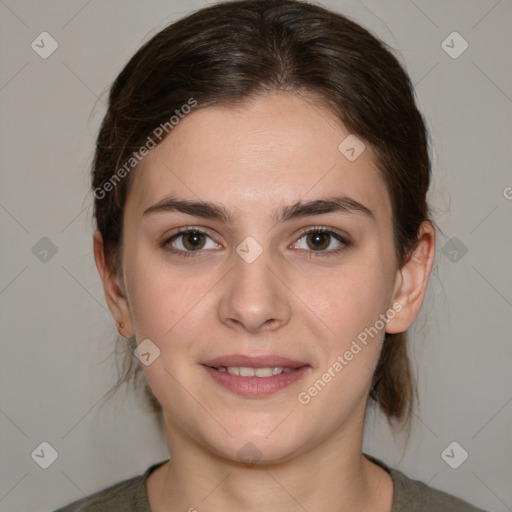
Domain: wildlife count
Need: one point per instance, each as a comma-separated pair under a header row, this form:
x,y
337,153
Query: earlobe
x,y
412,280
114,292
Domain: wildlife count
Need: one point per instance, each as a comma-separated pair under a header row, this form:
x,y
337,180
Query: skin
x,y
255,159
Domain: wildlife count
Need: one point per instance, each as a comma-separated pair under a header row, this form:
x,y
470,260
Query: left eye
x,y
321,240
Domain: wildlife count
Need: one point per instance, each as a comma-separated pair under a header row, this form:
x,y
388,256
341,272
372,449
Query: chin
x,y
252,447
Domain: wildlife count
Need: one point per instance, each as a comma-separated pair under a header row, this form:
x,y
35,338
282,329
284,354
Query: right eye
x,y
189,240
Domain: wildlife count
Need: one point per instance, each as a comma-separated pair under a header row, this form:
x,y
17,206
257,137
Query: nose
x,y
255,298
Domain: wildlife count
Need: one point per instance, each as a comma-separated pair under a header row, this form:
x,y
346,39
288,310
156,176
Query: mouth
x,y
247,371
255,376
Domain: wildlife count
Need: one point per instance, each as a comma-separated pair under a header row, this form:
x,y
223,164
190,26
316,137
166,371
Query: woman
x,y
264,242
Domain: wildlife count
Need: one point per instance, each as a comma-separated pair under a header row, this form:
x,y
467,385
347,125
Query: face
x,y
287,264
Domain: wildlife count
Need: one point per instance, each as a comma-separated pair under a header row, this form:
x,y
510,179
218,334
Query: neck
x,y
333,475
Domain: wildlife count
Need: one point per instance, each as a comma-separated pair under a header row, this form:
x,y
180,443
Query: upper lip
x,y
269,361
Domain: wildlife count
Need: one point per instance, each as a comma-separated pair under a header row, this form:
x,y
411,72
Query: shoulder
x,y
125,496
414,495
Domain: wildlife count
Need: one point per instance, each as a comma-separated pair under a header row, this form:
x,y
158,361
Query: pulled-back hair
x,y
233,51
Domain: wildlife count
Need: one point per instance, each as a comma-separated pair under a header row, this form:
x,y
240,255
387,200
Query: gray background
x,y
57,333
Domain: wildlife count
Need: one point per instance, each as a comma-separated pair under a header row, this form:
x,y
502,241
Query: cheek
x,y
163,296
348,299
349,304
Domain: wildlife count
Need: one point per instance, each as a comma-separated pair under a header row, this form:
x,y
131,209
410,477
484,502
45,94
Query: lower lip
x,y
256,386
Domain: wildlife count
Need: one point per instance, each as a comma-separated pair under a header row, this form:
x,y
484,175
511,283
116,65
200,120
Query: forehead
x,y
257,157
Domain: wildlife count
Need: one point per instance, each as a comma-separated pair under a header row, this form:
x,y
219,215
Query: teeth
x,y
245,371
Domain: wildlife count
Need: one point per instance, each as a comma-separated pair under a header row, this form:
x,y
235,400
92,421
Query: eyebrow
x,y
208,210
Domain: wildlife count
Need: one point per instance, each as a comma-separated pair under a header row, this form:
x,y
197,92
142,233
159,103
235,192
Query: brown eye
x,y
193,241
189,241
318,241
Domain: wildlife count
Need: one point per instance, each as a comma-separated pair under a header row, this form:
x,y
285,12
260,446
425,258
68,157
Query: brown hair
x,y
233,51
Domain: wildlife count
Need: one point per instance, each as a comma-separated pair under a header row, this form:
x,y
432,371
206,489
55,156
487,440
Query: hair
x,y
235,51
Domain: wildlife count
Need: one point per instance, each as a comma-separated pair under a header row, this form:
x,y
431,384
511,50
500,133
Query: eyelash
x,y
346,243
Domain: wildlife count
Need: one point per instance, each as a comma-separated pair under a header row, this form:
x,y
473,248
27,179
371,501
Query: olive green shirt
x,y
409,496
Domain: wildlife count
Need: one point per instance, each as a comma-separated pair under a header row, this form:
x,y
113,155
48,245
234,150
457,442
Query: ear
x,y
411,281
114,292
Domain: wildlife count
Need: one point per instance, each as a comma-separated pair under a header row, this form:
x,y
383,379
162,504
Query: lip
x,y
255,386
254,361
